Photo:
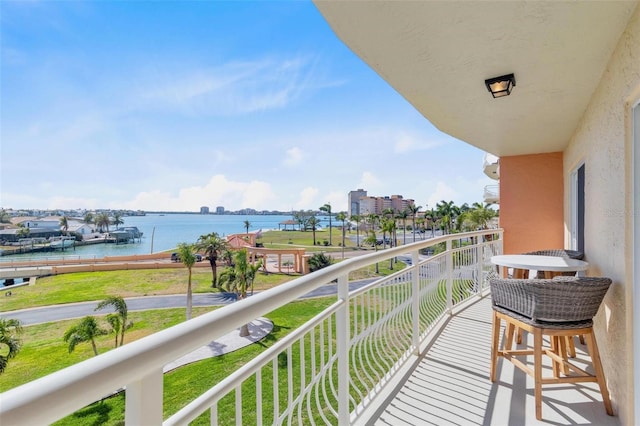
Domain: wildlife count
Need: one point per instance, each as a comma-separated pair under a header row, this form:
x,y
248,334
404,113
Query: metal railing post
x,y
342,347
449,276
480,258
415,264
144,400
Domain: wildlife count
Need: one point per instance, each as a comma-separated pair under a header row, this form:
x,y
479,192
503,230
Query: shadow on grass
x,y
269,339
98,411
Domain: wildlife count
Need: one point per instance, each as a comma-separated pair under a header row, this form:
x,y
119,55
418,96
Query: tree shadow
x,y
269,339
98,410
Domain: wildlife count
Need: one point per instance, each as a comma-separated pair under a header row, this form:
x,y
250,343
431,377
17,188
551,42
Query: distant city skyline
x,y
170,106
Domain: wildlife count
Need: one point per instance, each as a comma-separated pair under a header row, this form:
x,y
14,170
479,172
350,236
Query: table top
x,y
539,263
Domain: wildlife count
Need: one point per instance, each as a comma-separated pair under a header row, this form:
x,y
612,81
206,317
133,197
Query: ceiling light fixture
x,y
501,86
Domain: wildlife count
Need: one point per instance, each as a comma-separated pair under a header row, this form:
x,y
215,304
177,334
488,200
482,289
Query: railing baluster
x,y
415,300
239,405
213,412
259,398
449,262
342,343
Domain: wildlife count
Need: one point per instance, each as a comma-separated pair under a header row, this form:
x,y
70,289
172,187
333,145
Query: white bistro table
x,y
551,265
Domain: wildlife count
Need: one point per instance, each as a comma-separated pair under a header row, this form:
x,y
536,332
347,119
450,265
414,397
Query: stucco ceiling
x,y
437,55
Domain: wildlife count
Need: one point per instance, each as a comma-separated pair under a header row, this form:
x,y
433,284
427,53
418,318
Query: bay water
x,y
162,232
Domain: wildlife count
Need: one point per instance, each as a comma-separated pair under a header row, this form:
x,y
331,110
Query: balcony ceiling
x,y
437,55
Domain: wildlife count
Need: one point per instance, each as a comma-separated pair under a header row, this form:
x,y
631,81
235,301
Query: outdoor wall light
x,y
501,86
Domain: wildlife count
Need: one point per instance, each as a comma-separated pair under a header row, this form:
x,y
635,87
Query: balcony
x,y
491,166
409,348
492,194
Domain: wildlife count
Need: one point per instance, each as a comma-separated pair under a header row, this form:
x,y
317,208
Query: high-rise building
x,y
361,204
204,210
354,202
219,210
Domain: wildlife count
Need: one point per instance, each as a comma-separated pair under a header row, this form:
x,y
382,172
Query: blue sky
x,y
162,105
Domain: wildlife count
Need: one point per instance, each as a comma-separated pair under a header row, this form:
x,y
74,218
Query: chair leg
x,y
537,365
571,347
555,349
495,334
562,351
510,330
592,346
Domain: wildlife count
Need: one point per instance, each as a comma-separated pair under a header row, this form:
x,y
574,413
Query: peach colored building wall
x,y
531,202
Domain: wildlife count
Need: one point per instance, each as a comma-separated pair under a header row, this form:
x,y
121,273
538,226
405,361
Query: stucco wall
x,y
531,195
601,141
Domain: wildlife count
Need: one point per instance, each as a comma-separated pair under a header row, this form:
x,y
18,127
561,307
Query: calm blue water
x,y
164,232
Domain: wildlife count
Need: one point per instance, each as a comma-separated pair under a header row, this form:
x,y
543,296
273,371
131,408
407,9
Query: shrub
x,y
319,261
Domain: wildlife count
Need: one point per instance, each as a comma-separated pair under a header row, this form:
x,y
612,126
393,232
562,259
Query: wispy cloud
x,y
233,88
405,142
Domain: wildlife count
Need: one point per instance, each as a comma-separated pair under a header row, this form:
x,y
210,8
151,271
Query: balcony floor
x,y
450,385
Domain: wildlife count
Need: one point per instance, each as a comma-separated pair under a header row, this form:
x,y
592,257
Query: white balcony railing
x,y
492,194
331,370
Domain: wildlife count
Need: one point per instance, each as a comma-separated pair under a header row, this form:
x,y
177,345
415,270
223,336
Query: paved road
x,y
78,310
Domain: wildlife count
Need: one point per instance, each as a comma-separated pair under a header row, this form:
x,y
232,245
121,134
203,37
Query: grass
x,y
90,286
284,239
185,383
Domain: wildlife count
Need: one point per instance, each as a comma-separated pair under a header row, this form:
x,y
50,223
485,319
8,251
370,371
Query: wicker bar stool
x,y
570,254
564,306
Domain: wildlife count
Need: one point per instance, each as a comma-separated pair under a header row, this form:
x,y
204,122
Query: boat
x,y
133,230
62,242
126,234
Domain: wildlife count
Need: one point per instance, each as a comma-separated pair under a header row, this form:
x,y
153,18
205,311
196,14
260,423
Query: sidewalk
x,y
230,342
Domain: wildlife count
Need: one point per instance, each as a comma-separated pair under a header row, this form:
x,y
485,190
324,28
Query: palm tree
x,y
342,216
413,210
23,232
64,224
313,223
185,252
372,239
117,219
420,224
357,218
212,246
88,218
10,331
373,220
403,215
5,217
121,309
85,331
327,208
388,225
239,278
116,325
103,220
247,224
447,211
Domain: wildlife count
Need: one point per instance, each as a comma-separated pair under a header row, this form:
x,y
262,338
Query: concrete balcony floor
x,y
451,386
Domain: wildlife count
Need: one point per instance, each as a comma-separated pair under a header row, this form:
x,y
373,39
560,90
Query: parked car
x,y
175,257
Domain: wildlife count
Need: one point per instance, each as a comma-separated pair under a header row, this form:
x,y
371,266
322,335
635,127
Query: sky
x,y
170,106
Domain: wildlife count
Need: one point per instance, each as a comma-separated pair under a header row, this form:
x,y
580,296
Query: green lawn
x,y
181,385
283,239
89,286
